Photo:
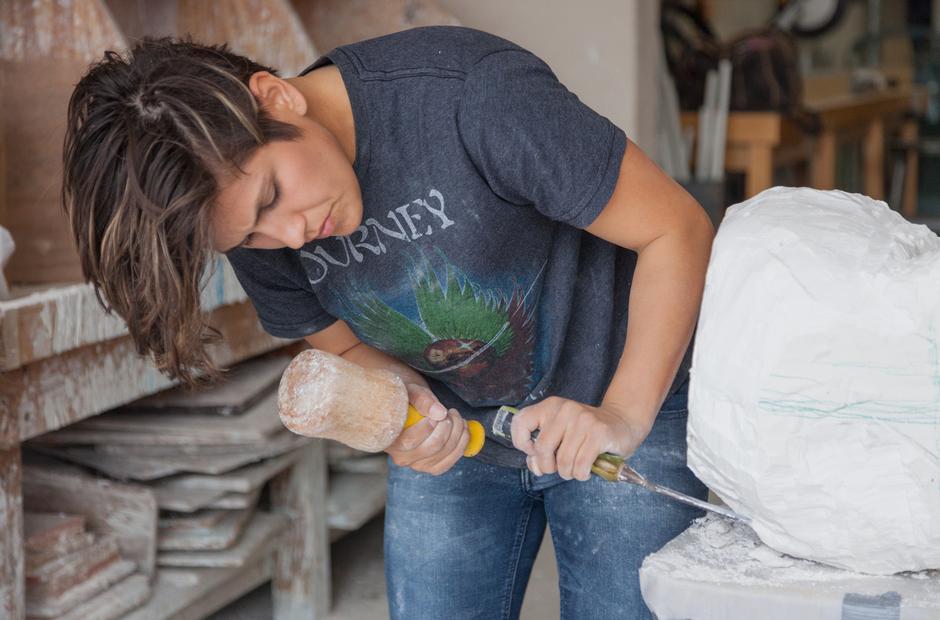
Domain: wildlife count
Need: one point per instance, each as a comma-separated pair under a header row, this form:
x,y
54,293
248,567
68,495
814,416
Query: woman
x,y
434,202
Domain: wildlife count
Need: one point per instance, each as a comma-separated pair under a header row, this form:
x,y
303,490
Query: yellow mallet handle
x,y
477,436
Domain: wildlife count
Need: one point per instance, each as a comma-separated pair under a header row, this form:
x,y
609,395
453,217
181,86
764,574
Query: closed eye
x,y
246,242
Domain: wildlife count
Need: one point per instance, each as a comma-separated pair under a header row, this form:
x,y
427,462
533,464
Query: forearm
x,y
370,357
664,302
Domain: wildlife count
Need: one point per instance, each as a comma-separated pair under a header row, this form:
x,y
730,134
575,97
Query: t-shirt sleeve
x,y
535,142
277,286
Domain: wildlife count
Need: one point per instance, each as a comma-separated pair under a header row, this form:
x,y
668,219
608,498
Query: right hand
x,y
435,443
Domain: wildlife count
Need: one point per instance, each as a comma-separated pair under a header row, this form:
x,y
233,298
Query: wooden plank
x,y
242,480
186,500
232,501
279,442
127,512
43,321
172,521
256,540
64,547
192,594
42,530
98,583
113,602
255,425
144,468
12,579
60,574
857,109
221,535
243,386
301,588
354,499
120,468
60,390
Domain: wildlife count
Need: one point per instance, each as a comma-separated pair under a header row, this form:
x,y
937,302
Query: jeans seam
x,y
516,553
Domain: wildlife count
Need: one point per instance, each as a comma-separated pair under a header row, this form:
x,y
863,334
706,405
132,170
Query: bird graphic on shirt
x,y
479,342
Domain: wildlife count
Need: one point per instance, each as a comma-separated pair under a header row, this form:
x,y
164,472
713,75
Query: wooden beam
x,y
873,159
909,131
301,584
12,578
44,321
56,391
823,175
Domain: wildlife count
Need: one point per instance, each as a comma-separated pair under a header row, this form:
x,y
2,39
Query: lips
x,y
326,229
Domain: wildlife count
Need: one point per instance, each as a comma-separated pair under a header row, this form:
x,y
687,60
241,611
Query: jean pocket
x,y
676,406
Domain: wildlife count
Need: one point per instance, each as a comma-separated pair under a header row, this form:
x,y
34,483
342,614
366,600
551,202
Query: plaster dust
x,y
323,395
814,404
724,562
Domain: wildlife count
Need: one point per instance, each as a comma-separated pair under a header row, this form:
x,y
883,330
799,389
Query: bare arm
x,y
652,215
340,340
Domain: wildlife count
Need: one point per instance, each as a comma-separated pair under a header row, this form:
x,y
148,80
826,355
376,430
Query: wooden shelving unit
x,y
62,360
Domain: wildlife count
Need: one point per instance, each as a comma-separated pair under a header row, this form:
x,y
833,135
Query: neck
x,y
328,104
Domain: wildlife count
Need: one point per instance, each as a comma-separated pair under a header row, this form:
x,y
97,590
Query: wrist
x,y
637,416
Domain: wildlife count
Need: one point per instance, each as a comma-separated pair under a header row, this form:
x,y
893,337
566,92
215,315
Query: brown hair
x,y
148,138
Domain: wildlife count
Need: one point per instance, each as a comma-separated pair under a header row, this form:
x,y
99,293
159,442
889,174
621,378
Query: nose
x,y
292,231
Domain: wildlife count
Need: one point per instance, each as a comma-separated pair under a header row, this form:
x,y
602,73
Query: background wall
x,y
605,51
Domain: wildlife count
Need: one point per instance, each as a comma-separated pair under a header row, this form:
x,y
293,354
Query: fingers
x,y
425,402
409,439
584,461
524,424
533,466
554,417
568,441
449,454
434,446
567,453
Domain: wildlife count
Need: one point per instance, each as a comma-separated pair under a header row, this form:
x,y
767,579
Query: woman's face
x,y
292,192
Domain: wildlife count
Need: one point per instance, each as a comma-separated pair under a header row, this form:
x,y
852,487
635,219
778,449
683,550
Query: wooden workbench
x,y
62,359
757,142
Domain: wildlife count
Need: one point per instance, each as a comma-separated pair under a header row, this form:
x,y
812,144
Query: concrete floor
x,y
359,583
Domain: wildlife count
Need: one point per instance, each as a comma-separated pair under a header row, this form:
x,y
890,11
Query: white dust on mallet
x,y
323,395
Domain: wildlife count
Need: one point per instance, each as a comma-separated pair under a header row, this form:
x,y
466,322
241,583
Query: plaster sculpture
x,y
815,392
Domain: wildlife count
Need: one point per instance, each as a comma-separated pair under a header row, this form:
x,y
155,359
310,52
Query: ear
x,y
276,94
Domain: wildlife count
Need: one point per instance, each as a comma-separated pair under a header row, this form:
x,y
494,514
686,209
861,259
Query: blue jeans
x,y
462,545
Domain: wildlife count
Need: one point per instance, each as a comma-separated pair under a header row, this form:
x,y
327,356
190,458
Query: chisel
x,y
610,467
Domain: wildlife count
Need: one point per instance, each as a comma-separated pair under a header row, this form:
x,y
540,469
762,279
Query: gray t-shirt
x,y
478,171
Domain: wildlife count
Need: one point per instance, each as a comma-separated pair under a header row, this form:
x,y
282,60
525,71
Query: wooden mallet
x,y
324,395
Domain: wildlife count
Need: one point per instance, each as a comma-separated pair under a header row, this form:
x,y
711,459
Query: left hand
x,y
572,435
